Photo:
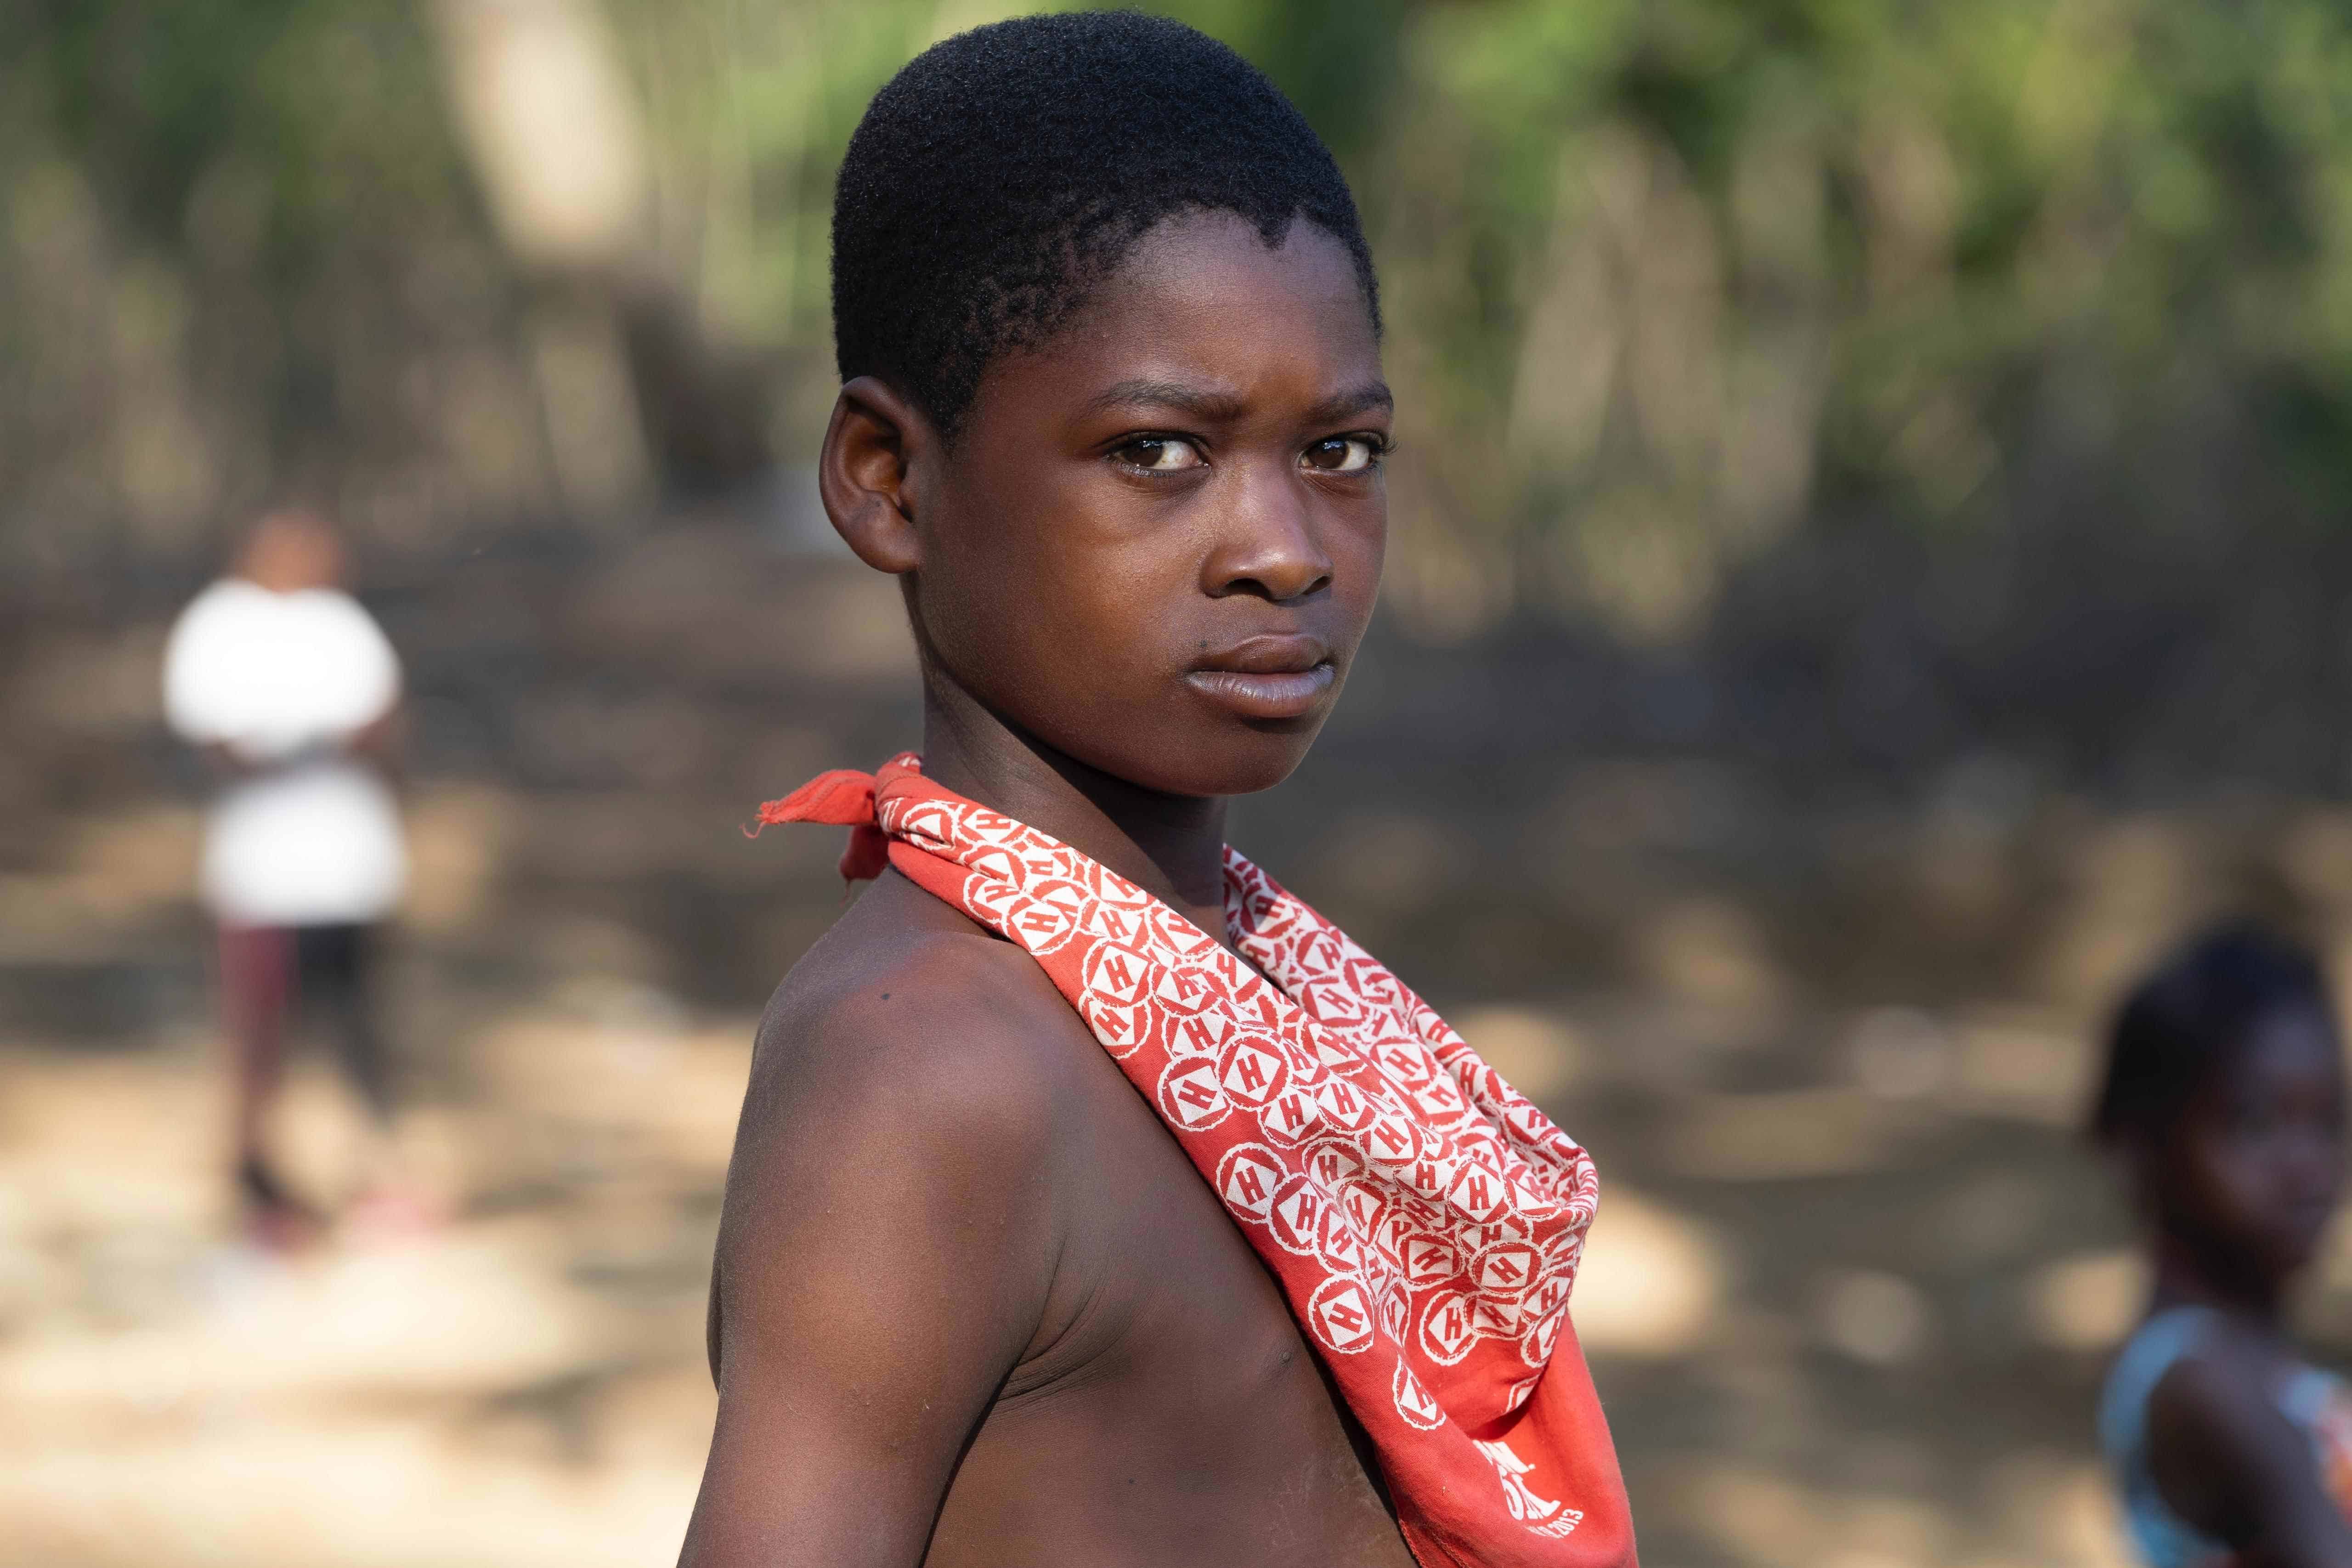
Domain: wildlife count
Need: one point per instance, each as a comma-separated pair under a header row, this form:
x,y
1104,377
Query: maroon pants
x,y
269,973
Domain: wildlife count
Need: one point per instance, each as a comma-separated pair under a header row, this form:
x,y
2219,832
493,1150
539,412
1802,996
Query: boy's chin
x,y
1227,764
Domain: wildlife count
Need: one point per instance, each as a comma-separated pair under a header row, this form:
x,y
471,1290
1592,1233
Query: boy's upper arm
x,y
2227,1461
887,1245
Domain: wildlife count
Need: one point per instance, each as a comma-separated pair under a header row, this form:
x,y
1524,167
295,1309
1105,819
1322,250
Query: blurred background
x,y
1868,572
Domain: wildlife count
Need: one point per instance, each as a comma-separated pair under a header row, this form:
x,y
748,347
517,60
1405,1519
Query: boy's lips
x,y
1278,677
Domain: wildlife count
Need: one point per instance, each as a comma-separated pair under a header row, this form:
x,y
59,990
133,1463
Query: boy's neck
x,y
1171,846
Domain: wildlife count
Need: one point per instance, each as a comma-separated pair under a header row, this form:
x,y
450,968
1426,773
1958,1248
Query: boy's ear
x,y
864,473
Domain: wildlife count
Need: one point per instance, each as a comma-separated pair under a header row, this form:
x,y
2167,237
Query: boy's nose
x,y
1267,548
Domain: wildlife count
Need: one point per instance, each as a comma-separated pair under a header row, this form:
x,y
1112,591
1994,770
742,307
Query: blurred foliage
x,y
232,228
1667,279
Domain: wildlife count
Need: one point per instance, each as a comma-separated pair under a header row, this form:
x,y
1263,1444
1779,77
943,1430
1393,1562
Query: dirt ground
x,y
1853,1317
1848,1300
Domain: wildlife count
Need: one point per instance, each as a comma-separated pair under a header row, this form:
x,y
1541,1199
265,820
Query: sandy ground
x,y
523,1385
1847,1300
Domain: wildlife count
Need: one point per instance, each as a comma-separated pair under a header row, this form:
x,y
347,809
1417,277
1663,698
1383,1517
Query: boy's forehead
x,y
1198,251
1201,303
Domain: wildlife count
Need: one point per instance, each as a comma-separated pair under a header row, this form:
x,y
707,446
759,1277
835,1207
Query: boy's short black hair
x,y
1003,174
2202,1002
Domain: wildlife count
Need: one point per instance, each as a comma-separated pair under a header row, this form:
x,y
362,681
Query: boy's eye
x,y
1158,455
1343,455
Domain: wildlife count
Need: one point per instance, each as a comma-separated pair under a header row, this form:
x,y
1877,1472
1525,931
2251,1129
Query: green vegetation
x,y
1667,280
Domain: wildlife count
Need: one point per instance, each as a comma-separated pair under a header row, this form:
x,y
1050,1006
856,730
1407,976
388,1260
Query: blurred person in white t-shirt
x,y
292,690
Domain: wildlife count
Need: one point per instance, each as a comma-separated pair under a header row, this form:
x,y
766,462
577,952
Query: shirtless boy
x,y
1094,1202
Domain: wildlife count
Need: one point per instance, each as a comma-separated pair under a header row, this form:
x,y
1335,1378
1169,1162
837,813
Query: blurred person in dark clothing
x,y
291,690
2224,1097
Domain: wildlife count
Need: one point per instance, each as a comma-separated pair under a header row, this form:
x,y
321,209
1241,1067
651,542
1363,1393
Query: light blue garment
x,y
2164,1538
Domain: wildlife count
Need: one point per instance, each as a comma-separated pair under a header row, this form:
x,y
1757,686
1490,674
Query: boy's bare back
x,y
1034,1313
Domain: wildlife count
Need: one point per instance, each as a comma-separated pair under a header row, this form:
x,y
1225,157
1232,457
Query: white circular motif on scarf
x,y
1346,1106
1396,1308
1114,921
1336,1242
1545,1307
1201,1035
1184,988
1190,1095
1340,1316
1368,978
1432,1173
1534,1347
1405,1060
1495,1320
1447,1333
1364,1204
1393,1238
1332,1053
1415,1403
1180,934
1000,868
1307,1068
1430,1260
1332,1163
1317,955
1533,1205
1253,891
1247,1178
1508,1270
1119,1028
1290,1117
1070,866
1441,1104
1393,1139
1477,1192
1252,1069
1296,1214
932,820
1041,919
994,827
1118,974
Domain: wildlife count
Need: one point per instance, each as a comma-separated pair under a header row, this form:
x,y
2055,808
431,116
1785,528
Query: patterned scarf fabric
x,y
1424,1219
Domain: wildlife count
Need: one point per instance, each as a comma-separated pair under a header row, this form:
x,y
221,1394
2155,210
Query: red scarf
x,y
1424,1219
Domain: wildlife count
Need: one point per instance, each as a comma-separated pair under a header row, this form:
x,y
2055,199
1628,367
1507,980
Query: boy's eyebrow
x,y
1356,400
1203,403
1199,402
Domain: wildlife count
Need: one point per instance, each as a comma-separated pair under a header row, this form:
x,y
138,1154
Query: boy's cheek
x,y
1044,657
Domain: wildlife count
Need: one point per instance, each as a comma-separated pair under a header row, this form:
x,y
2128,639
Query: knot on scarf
x,y
844,798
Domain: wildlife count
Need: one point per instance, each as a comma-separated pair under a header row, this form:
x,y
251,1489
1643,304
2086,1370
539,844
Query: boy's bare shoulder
x,y
908,1005
897,1199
